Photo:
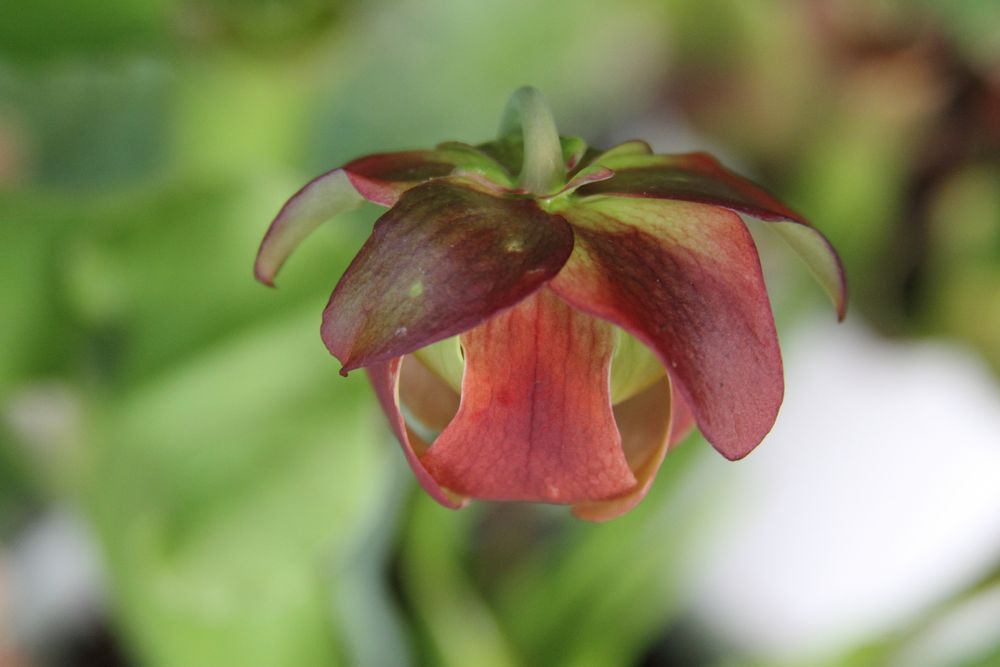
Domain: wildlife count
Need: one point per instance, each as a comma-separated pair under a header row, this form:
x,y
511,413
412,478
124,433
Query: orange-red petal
x,y
535,420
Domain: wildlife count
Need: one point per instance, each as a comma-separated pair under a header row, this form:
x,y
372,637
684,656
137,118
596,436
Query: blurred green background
x,y
186,481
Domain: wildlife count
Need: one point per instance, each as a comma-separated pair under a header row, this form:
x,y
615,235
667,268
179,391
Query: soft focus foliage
x,y
246,502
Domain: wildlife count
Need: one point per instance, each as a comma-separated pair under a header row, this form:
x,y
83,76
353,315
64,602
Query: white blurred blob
x,y
45,418
876,494
55,581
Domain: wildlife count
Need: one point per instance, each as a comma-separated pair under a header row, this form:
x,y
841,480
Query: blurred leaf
x,y
460,627
972,25
963,270
47,29
256,25
32,340
223,490
364,602
91,127
237,117
386,86
158,276
600,593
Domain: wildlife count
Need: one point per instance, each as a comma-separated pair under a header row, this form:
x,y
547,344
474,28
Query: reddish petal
x,y
441,261
535,420
378,178
318,201
698,177
644,422
685,279
694,177
382,178
385,381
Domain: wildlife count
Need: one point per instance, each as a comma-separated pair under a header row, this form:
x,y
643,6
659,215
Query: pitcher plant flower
x,y
541,320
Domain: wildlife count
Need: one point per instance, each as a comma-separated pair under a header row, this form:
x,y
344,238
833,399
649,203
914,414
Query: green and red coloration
x,y
547,334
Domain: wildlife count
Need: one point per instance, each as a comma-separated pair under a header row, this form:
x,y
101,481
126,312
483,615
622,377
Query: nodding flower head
x,y
541,320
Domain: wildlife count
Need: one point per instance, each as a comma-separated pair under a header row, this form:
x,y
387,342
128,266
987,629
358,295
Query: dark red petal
x,y
385,381
535,420
698,177
685,279
378,178
383,177
694,177
441,261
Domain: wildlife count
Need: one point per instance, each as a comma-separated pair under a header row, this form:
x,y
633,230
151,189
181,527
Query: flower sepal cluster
x,y
542,321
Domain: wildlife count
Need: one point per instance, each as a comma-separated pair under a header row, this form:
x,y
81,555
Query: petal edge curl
x,y
385,382
322,198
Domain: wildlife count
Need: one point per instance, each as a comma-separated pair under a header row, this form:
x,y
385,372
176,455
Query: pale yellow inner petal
x,y
634,368
444,359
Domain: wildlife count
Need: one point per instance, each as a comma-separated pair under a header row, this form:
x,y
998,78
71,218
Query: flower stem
x,y
542,170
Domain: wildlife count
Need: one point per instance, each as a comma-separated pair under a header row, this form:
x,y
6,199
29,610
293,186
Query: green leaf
x,y
459,625
595,595
224,490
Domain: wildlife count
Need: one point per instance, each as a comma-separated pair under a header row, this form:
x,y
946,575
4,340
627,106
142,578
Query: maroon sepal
x,y
699,177
685,279
441,261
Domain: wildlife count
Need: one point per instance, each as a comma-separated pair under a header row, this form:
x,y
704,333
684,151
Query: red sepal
x,y
699,177
441,261
685,279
